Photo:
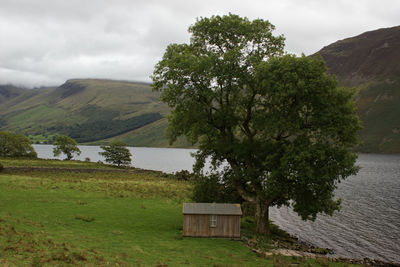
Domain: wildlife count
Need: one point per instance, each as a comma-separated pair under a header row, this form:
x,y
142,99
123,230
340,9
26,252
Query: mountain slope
x,y
371,62
97,111
86,110
8,92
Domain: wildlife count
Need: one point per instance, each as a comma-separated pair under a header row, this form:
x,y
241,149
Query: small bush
x,y
211,189
87,159
1,167
183,175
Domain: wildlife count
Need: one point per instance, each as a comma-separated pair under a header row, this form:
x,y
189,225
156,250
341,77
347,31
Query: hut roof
x,y
212,208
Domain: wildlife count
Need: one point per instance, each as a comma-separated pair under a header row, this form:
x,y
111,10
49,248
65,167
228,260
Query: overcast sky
x,y
45,42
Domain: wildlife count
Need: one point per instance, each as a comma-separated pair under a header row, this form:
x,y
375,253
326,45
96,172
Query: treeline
x,y
102,129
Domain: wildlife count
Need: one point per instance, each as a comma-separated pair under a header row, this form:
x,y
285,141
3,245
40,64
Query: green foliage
x,y
66,145
116,153
102,129
210,189
15,145
183,175
42,138
278,122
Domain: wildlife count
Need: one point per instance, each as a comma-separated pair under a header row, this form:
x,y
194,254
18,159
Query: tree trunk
x,y
262,217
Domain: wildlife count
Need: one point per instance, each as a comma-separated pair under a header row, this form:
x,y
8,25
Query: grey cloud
x,y
45,42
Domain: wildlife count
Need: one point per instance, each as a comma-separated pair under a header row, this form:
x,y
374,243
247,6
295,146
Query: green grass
x,y
51,163
130,218
41,114
122,219
151,135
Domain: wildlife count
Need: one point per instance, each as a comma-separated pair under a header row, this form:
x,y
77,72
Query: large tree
x,y
276,126
66,145
15,145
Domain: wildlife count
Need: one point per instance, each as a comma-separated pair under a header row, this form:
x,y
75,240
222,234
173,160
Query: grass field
x,y
71,217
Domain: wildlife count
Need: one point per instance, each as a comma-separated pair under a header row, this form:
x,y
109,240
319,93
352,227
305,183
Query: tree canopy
x,y
15,145
276,126
65,145
116,153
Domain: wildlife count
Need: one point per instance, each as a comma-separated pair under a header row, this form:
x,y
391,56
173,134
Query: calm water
x,y
368,224
160,159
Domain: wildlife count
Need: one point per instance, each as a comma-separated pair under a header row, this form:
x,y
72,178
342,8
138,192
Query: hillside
x,y
97,111
90,111
371,63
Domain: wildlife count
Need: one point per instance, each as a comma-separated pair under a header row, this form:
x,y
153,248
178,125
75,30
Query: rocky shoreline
x,y
292,247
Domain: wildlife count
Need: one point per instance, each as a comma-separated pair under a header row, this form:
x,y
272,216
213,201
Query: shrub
x,y
211,189
183,175
16,145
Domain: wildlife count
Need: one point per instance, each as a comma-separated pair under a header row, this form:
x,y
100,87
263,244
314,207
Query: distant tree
x,y
15,145
66,145
116,153
276,127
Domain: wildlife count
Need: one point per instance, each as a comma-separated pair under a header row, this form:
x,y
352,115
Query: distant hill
x,y
8,92
90,111
371,63
97,111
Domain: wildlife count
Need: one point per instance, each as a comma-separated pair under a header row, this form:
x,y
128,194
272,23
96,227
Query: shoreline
x,y
291,246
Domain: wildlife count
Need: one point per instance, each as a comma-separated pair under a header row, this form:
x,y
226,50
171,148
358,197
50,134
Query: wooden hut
x,y
211,220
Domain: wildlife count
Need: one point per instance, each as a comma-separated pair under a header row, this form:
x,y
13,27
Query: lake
x,y
368,225
168,160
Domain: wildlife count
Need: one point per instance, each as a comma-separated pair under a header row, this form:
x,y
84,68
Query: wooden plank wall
x,y
199,225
